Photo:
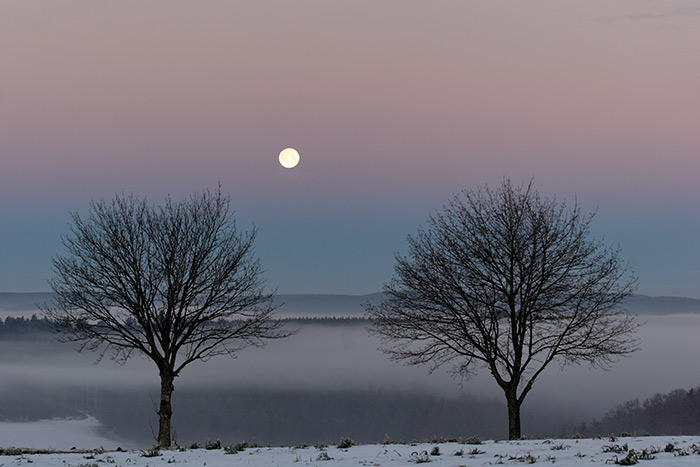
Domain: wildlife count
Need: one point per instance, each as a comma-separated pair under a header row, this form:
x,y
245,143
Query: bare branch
x,y
509,281
176,282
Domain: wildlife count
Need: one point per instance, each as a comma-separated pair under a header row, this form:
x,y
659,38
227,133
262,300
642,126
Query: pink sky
x,y
393,106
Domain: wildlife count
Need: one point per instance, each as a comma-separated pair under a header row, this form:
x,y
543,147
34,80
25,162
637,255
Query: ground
x,y
679,451
70,436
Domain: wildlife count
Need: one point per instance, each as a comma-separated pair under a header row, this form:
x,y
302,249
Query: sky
x,y
393,106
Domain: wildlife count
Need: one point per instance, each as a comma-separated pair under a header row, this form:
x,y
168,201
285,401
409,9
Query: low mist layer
x,y
331,379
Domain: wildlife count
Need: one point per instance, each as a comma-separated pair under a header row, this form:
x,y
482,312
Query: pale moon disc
x,y
289,158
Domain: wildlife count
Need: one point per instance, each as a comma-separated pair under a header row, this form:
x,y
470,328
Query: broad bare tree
x,y
177,283
508,281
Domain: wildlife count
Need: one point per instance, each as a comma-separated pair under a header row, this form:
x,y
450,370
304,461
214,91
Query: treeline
x,y
267,416
20,327
675,413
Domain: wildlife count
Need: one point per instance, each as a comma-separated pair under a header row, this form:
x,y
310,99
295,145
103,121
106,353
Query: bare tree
x,y
509,281
177,283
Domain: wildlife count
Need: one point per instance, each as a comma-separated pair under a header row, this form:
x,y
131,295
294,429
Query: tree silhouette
x,y
177,283
509,281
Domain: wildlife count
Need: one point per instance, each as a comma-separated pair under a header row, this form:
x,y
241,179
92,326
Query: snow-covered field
x,y
678,451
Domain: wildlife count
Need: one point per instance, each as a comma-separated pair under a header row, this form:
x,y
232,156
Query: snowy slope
x,y
55,434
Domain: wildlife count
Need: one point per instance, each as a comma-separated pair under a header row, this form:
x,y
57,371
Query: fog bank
x,y
341,362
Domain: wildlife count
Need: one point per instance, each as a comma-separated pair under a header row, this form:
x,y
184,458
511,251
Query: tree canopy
x,y
508,281
176,282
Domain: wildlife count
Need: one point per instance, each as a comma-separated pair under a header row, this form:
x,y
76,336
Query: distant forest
x,y
19,327
289,417
270,417
675,413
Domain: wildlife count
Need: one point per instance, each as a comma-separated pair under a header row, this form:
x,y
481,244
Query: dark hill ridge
x,y
303,305
15,302
327,305
646,305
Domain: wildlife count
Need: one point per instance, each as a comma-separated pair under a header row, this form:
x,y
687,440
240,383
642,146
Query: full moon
x,y
289,158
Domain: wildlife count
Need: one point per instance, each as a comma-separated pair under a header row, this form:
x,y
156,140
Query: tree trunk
x,y
166,411
513,415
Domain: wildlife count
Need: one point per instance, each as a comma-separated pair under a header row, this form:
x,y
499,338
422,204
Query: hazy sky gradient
x,y
393,105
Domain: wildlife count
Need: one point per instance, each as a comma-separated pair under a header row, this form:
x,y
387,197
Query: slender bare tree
x,y
177,283
507,280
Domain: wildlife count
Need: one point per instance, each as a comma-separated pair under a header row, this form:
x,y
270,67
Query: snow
x,y
65,434
55,434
